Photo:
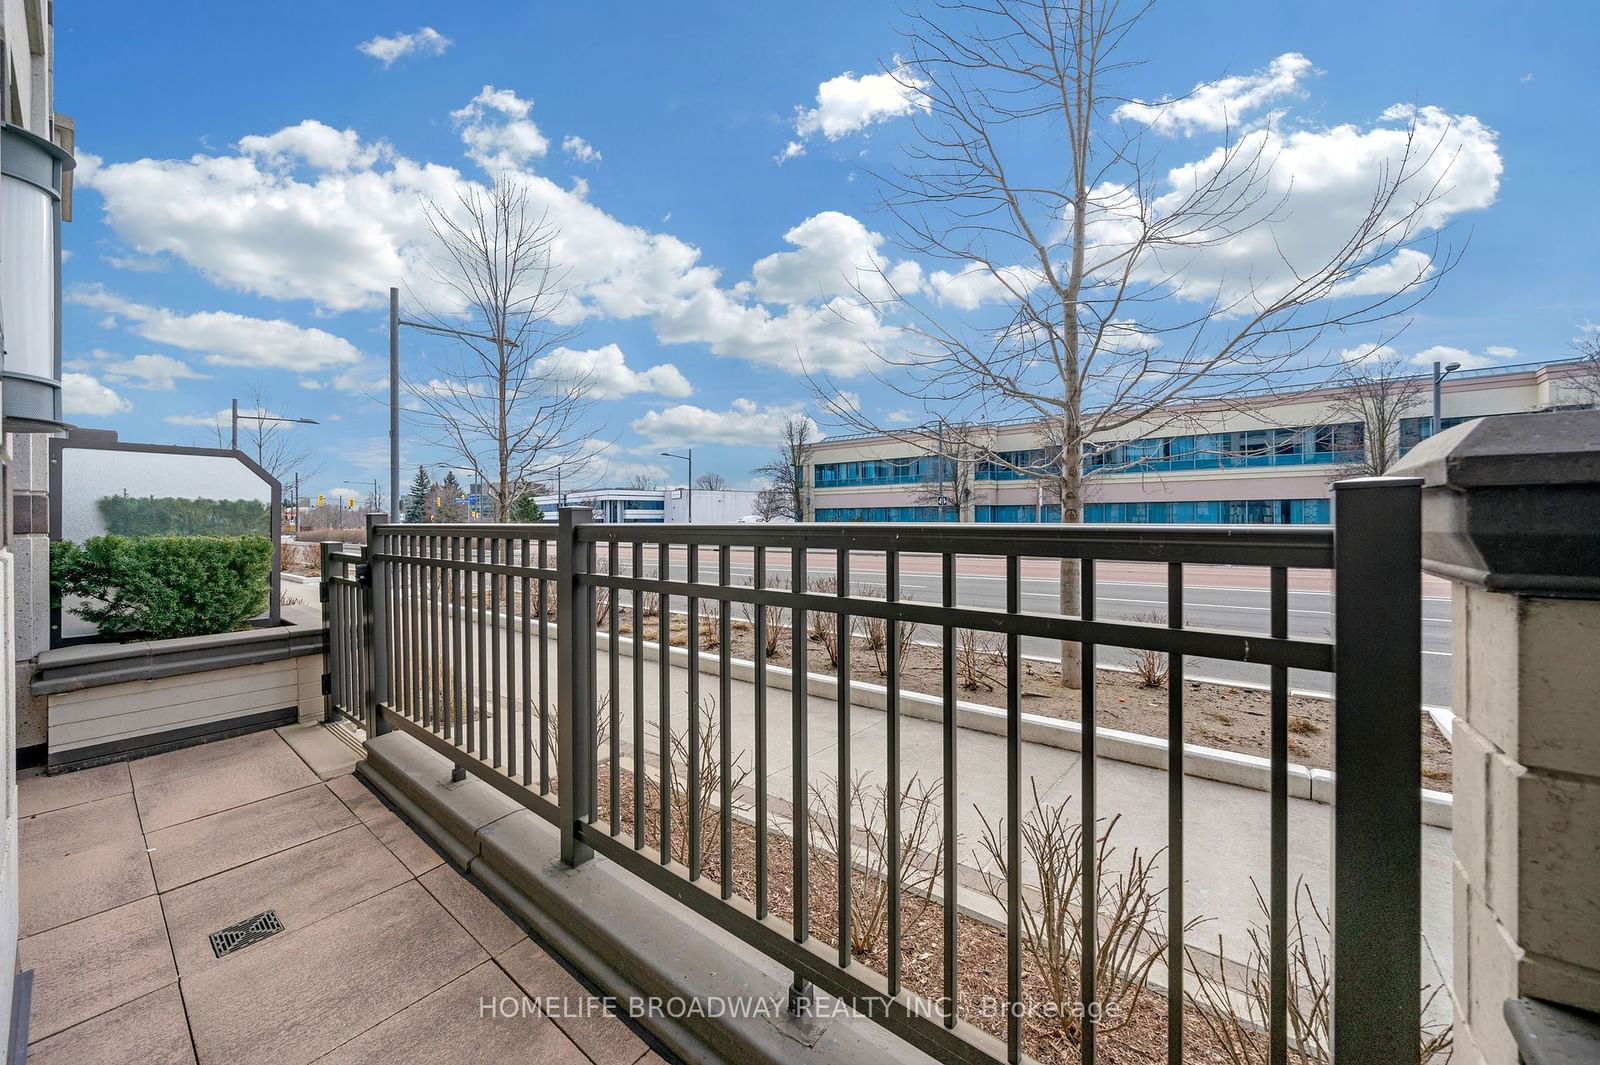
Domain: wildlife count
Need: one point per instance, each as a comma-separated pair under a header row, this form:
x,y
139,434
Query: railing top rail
x,y
1246,545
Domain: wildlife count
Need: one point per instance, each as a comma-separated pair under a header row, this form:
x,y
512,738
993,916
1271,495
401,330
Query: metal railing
x,y
448,638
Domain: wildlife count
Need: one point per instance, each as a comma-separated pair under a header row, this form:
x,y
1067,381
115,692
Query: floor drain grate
x,y
241,935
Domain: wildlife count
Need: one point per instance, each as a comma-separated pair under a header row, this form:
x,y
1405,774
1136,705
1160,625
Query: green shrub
x,y
177,516
162,587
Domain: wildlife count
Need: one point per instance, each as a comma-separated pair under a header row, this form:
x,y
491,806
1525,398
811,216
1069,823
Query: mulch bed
x,y
980,947
1216,715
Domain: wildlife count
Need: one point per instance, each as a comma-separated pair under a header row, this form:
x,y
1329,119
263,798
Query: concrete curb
x,y
1207,763
668,954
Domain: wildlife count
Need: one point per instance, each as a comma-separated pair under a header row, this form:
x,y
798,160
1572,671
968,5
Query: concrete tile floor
x,y
389,954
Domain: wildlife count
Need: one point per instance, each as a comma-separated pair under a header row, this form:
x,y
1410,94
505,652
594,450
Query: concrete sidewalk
x,y
1225,826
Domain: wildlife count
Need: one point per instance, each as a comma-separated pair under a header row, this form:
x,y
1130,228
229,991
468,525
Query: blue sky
x,y
210,258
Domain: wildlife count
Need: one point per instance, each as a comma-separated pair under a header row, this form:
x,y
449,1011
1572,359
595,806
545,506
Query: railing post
x,y
575,707
325,595
375,629
1377,761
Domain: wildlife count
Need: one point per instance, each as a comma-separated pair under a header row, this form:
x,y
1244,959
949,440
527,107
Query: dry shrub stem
x,y
1130,917
1237,1012
919,860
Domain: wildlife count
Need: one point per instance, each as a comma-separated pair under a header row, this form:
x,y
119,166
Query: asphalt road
x,y
1216,597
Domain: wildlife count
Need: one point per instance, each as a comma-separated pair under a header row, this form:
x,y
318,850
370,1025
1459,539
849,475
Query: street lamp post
x,y
395,322
687,456
236,418
1439,374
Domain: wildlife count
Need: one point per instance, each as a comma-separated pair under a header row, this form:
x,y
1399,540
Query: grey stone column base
x,y
633,943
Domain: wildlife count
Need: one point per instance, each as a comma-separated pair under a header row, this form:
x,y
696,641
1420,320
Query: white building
x,y
35,158
1212,462
631,506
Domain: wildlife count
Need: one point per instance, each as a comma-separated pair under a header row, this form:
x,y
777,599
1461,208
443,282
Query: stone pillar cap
x,y
1512,502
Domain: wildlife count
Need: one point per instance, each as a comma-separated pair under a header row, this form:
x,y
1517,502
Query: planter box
x,y
109,702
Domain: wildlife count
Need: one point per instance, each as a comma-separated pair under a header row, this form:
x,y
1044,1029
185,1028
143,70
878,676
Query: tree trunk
x,y
1071,571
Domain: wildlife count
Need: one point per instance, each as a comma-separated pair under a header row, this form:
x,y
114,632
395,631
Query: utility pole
x,y
233,436
394,404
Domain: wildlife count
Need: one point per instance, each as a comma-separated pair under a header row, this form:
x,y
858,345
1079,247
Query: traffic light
x,y
322,500
350,503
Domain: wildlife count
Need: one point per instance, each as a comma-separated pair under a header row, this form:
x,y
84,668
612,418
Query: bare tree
x,y
1585,382
503,403
1023,178
772,503
712,482
1376,394
640,481
957,453
786,472
274,444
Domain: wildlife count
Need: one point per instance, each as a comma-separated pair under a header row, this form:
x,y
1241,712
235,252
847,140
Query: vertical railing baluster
x,y
947,589
893,789
495,710
1090,901
456,612
664,696
509,626
614,680
1278,879
637,572
693,646
591,665
544,668
1013,815
758,580
1175,738
427,571
399,627
575,708
410,594
375,632
1377,765
436,602
525,618
799,812
482,614
725,724
843,818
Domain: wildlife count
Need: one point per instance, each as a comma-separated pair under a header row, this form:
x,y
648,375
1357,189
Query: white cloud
x,y
159,373
223,419
610,376
426,41
836,255
1443,353
1216,105
1492,355
745,423
344,220
82,394
497,131
579,149
849,103
228,339
972,286
1317,189
620,472
316,144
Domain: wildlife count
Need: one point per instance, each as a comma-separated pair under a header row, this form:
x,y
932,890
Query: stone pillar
x,y
1511,515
